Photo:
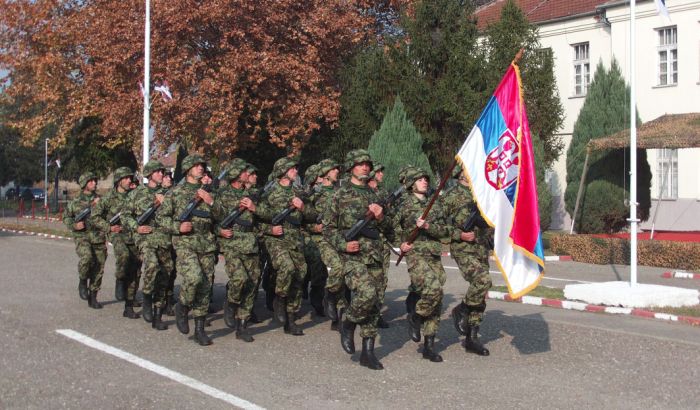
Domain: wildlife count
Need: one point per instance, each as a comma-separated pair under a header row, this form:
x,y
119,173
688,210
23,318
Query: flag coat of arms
x,y
498,159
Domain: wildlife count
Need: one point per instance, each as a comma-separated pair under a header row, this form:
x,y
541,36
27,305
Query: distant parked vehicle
x,y
38,194
11,194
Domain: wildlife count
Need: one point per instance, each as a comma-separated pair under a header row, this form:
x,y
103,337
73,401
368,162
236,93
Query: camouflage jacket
x,y
457,202
319,201
140,199
244,240
277,199
428,241
110,205
349,204
91,233
201,239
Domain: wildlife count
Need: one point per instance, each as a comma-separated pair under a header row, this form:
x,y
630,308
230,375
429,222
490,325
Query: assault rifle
x,y
148,213
280,217
116,219
352,233
186,214
476,220
231,218
84,214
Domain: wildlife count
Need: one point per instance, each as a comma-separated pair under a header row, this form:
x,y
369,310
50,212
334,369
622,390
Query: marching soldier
x,y
470,250
107,215
194,242
153,242
423,259
170,293
362,256
315,279
89,240
375,182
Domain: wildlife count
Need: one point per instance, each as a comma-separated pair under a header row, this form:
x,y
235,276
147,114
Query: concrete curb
x,y
680,275
554,258
45,235
42,218
584,307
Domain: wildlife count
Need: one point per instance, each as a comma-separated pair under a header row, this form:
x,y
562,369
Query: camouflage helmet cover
x,y
192,160
85,178
122,172
355,157
151,167
412,175
311,173
378,166
281,167
326,165
235,169
402,173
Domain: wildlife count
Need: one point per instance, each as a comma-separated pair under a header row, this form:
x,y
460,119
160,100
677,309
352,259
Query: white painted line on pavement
x,y
163,371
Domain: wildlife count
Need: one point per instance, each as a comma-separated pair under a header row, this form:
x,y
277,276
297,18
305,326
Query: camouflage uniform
x,y
127,263
89,243
383,194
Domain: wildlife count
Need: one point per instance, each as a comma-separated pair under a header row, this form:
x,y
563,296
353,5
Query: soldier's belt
x,y
201,214
243,223
293,221
370,233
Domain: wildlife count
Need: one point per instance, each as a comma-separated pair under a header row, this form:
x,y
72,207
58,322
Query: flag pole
x,y
146,83
633,151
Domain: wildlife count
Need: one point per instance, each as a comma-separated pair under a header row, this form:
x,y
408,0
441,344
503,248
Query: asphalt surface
x,y
540,357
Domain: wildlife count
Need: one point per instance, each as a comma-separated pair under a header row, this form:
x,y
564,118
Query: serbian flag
x,y
498,160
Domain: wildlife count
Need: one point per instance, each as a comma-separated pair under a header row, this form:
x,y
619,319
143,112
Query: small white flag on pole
x,y
661,8
164,91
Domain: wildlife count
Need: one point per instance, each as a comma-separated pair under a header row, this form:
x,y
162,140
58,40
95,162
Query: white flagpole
x,y
146,84
46,172
633,151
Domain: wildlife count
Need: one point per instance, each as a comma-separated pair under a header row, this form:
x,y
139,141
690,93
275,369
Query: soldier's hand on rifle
x,y
115,228
205,196
186,227
318,228
144,229
277,230
422,223
467,236
95,201
352,247
226,233
406,247
298,203
377,211
159,199
79,226
248,204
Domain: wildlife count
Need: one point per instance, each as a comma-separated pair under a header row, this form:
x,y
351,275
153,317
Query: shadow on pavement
x,y
529,336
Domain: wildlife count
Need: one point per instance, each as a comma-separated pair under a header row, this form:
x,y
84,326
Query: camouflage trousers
x,y
317,271
427,279
290,268
243,274
157,265
173,275
91,262
475,270
365,283
385,265
335,281
196,272
127,266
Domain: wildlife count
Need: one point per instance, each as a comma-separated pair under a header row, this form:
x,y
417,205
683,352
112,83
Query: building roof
x,y
667,131
538,11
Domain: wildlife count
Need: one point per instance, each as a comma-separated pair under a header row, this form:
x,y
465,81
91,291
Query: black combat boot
x,y
411,301
367,357
93,303
129,310
83,291
169,309
230,314
459,315
280,309
242,332
330,303
429,349
415,321
472,343
381,323
120,290
181,318
291,327
199,334
157,322
316,300
347,336
147,310
254,318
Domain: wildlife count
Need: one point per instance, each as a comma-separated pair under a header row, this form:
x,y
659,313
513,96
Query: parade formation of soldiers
x,y
327,240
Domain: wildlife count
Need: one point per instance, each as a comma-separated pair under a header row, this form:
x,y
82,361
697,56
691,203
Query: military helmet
x,y
355,157
281,167
192,160
122,172
151,167
414,174
85,178
235,169
326,165
402,173
311,173
377,166
251,168
372,174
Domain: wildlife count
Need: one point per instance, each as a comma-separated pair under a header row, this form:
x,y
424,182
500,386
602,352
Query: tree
x,y
396,144
23,165
544,193
603,205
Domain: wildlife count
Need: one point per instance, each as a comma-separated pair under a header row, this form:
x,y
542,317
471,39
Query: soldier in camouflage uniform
x,y
285,242
253,191
239,245
362,257
423,258
375,182
153,243
170,300
89,241
106,215
471,252
315,279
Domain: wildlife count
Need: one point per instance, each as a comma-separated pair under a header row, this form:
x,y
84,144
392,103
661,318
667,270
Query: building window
x,y
582,69
667,173
668,56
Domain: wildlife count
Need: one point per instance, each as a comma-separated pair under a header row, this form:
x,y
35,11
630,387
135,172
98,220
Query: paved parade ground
x,y
58,353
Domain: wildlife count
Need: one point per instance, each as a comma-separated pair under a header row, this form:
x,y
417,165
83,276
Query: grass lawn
x,y
36,228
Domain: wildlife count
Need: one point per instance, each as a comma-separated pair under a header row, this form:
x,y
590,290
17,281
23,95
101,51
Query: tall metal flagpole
x,y
633,151
146,84
46,172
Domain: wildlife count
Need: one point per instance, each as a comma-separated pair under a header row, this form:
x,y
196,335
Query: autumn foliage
x,y
239,71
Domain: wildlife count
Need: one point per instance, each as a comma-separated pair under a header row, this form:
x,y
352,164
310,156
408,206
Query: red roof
x,y
537,11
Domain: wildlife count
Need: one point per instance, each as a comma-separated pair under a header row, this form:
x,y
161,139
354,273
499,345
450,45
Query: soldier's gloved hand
x,y
467,236
406,247
247,203
79,226
144,229
186,227
352,247
377,210
298,203
205,196
277,230
226,233
115,228
159,199
422,223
